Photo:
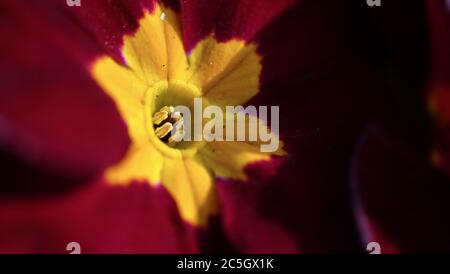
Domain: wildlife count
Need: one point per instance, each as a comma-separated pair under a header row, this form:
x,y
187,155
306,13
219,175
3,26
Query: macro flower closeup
x,y
160,74
94,149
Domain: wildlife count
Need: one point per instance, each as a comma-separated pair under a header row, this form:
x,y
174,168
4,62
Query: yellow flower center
x,y
160,74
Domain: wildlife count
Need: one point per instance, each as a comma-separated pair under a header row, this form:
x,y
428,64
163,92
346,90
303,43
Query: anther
x,y
164,130
159,117
168,125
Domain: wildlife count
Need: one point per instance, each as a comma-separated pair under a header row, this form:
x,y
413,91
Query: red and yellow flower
x,y
81,161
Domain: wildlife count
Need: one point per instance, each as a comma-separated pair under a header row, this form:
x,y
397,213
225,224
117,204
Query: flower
x,y
85,158
83,132
159,73
401,174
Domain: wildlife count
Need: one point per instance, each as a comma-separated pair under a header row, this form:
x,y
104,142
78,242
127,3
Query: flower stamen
x,y
164,130
168,125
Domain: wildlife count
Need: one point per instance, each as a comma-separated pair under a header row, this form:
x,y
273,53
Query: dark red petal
x,y
439,86
106,21
306,39
247,226
25,180
326,89
372,237
402,199
228,18
439,21
101,218
52,113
